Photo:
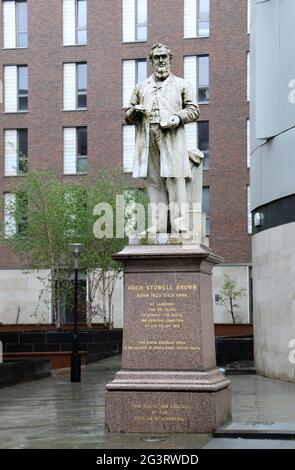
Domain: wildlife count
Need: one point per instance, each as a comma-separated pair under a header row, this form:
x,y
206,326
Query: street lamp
x,y
76,249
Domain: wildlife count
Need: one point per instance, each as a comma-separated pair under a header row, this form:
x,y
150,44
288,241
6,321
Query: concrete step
x,y
271,430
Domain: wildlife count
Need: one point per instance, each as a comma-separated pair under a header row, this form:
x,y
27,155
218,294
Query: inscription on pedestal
x,y
162,322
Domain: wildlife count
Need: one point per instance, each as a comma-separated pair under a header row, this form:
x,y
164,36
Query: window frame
x,y
17,31
138,24
205,152
26,157
81,157
248,142
79,92
249,213
208,216
201,88
198,35
24,95
137,61
248,78
77,28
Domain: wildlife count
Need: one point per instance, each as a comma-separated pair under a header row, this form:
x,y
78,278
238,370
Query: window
x,y
74,22
66,294
196,71
15,24
134,71
248,76
248,143
206,207
22,88
81,22
75,86
249,215
9,217
81,72
129,133
15,214
196,18
75,150
15,152
197,136
134,20
141,20
16,88
248,16
203,141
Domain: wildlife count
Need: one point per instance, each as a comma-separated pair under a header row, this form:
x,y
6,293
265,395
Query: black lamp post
x,y
76,250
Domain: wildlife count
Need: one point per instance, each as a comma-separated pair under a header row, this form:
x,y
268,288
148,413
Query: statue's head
x,y
161,58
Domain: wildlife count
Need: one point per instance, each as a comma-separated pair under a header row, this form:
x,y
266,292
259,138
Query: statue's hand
x,y
172,123
139,110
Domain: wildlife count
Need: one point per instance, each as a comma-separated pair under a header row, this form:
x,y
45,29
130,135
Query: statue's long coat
x,y
175,96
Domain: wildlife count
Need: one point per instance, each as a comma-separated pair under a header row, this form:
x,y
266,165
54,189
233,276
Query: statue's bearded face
x,y
161,63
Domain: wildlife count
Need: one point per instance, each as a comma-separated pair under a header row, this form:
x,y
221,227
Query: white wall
x,y
274,300
19,294
239,273
21,291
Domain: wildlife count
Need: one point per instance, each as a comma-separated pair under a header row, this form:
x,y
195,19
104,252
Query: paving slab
x,y
54,413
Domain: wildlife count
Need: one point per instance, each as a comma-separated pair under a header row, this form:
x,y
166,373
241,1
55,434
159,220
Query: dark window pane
x,y
23,142
82,141
203,95
21,213
203,142
23,79
141,11
203,133
22,151
82,76
203,71
141,72
81,14
23,103
206,160
82,101
141,33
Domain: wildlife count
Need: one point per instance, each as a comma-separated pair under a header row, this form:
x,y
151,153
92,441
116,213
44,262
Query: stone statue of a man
x,y
160,107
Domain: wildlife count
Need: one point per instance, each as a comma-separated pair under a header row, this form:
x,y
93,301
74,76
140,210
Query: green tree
x,y
49,215
229,294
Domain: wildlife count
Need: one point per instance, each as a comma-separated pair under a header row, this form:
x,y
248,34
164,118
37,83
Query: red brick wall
x,y
227,112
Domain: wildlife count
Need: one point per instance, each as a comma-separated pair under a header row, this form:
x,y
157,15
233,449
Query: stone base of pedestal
x,y
169,382
167,402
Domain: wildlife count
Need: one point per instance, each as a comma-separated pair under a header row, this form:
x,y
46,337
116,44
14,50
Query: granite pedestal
x,y
169,382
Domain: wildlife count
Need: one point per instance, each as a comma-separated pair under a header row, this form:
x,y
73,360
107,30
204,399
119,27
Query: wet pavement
x,y
54,413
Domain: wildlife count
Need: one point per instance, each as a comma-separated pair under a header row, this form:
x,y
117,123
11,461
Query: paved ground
x,y
53,413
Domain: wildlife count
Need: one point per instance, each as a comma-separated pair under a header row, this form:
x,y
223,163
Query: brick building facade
x,y
226,42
